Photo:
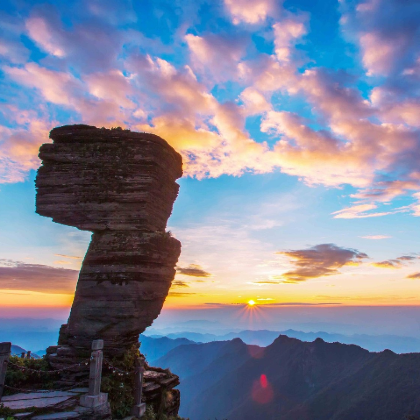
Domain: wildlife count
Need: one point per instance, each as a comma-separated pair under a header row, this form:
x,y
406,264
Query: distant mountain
x,y
205,364
17,351
264,338
294,380
194,336
155,347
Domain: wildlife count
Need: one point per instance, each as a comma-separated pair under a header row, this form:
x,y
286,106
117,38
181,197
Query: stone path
x,y
46,400
39,399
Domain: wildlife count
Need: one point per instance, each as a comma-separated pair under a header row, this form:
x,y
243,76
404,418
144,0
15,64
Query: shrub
x,y
18,375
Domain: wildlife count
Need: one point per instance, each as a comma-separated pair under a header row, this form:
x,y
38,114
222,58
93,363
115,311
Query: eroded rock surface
x,y
121,186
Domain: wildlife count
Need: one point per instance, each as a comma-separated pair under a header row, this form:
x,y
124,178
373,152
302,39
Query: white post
x,y
94,397
139,408
5,349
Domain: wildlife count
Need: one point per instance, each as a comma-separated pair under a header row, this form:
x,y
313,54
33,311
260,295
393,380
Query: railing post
x,y
95,397
139,408
5,350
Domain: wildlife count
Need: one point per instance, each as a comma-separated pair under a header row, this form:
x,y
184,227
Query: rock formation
x,y
121,186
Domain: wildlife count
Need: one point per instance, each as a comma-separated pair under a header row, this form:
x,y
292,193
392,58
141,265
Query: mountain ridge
x,y
295,380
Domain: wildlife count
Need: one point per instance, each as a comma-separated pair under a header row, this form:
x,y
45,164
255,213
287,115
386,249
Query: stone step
x,y
39,399
57,416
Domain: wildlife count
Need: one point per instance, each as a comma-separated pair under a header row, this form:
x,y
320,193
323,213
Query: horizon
x,y
298,127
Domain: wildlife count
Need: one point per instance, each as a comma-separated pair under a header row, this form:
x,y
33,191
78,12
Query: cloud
x,y
111,85
388,264
18,275
413,276
193,270
19,146
83,44
318,261
302,304
98,67
394,263
286,34
178,283
252,11
267,282
217,55
376,237
387,31
180,294
361,211
406,258
56,87
72,257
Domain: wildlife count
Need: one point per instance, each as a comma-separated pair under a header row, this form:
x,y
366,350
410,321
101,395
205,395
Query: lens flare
x,y
262,391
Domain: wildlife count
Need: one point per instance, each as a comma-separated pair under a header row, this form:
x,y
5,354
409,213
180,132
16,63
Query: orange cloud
x,y
395,263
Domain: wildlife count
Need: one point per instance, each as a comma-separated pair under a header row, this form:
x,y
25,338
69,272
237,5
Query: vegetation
x,y
6,412
118,385
20,376
117,381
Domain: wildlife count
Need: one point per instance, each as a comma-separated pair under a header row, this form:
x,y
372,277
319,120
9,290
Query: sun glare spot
x,y
251,302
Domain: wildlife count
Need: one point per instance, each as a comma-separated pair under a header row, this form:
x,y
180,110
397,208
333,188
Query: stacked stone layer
x,y
122,286
121,186
98,179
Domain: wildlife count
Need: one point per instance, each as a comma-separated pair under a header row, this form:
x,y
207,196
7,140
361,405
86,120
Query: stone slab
x,y
57,416
36,395
36,399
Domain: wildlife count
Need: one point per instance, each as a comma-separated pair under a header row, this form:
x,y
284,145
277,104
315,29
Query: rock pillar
x,y
121,186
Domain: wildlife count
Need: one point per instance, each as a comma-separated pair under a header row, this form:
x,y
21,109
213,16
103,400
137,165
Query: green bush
x,y
18,375
120,386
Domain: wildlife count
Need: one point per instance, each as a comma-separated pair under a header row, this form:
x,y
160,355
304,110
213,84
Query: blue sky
x,y
297,123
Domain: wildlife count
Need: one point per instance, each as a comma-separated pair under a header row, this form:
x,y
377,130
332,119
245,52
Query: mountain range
x,y
398,344
294,380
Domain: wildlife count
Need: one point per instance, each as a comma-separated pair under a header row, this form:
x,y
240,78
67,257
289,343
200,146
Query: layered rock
x,y
121,186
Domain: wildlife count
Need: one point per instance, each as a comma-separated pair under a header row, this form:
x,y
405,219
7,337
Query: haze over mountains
x,y
38,334
264,338
295,380
264,374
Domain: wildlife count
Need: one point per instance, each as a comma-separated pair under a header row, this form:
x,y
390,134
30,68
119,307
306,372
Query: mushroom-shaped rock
x,y
121,186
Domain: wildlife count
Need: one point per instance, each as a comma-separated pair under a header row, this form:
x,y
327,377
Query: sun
x,y
251,302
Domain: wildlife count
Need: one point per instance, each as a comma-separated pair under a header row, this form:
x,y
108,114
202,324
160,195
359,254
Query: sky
x,y
298,123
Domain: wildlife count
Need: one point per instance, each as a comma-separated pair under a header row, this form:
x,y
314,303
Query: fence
x,y
94,397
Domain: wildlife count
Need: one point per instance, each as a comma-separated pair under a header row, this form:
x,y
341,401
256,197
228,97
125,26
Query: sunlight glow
x,y
251,302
